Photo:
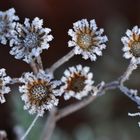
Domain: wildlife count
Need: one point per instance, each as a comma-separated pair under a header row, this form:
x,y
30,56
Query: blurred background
x,y
106,118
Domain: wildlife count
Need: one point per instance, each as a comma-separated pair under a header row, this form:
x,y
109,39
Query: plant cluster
x,y
40,90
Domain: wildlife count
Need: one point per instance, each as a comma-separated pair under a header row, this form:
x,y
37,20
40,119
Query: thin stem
x,y
30,127
130,94
49,126
34,67
74,107
15,81
128,72
39,62
61,61
134,114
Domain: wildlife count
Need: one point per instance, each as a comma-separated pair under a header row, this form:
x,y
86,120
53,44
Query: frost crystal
x,y
39,92
86,39
4,80
77,82
31,39
7,25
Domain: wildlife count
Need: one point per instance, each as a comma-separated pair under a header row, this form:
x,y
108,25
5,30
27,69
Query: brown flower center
x,y
135,48
84,41
76,83
39,92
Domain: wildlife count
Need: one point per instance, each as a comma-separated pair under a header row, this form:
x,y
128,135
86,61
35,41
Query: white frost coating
x,y
132,36
7,25
70,88
4,80
31,40
86,40
39,92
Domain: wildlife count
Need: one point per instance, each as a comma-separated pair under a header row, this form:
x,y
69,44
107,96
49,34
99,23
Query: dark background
x,y
104,119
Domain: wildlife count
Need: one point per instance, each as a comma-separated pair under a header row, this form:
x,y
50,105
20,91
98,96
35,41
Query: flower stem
x,y
30,127
39,62
34,67
61,61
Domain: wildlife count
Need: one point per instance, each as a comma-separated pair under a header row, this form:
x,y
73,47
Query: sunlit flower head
x,y
77,82
7,24
31,39
86,39
4,89
131,43
40,92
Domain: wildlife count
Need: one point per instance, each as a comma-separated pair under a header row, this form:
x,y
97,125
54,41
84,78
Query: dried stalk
x,y
59,114
61,61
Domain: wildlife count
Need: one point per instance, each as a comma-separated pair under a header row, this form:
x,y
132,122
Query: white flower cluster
x,y
77,82
28,40
7,24
4,80
39,92
31,39
86,40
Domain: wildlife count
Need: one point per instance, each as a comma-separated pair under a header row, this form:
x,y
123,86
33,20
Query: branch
x,y
49,126
39,62
132,94
128,72
61,61
15,81
29,128
34,67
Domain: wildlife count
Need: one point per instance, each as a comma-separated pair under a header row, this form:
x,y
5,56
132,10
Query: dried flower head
x,y
77,82
31,39
86,39
4,80
131,43
7,24
39,92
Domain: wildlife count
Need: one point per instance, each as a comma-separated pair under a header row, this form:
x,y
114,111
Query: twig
x,y
49,126
15,81
134,114
128,72
34,67
61,61
74,107
29,128
39,62
130,94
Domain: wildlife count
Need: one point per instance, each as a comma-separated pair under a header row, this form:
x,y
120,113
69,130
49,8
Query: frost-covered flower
x,y
77,82
131,43
4,89
86,39
31,39
40,92
7,24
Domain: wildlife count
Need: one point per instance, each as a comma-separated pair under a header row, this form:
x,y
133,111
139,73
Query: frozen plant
x,y
39,88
